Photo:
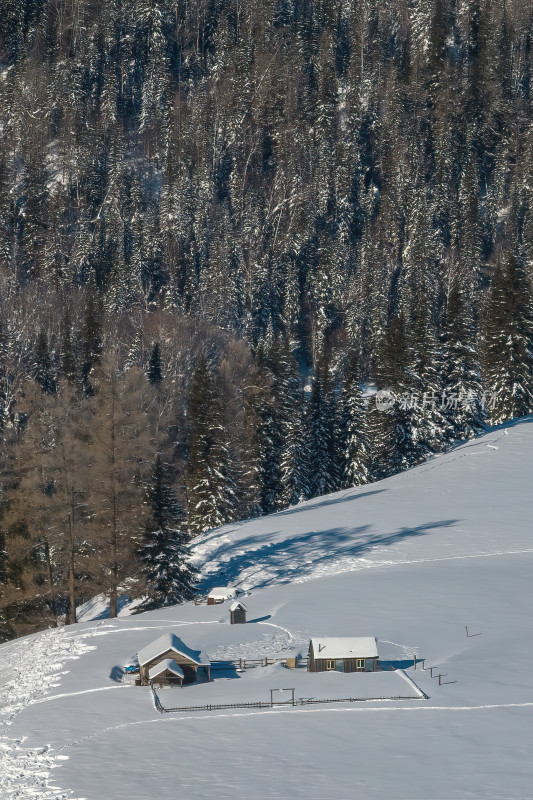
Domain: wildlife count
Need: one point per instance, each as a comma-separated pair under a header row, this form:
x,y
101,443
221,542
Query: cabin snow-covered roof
x,y
237,604
223,593
169,641
345,647
167,663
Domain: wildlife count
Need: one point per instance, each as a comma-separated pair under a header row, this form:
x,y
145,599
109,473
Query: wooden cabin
x,y
222,593
170,646
343,654
237,613
166,673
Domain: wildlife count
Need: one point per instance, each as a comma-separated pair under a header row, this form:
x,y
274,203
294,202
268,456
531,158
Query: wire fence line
x,y
250,663
300,701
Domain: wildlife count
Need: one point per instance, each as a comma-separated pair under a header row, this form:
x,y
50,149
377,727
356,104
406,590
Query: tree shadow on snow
x,y
310,506
283,561
334,500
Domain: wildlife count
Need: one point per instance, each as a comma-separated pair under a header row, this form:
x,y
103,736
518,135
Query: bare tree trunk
x,y
53,604
48,560
113,596
71,616
71,576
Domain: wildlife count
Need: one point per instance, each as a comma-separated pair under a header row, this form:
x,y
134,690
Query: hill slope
x,y
411,560
470,501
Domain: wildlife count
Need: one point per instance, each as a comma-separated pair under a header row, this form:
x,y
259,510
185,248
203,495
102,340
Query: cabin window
x,y
359,663
330,663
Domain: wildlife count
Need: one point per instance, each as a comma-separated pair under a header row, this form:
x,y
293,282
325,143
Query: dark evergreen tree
x,y
210,483
290,401
4,376
5,630
323,469
461,377
508,342
44,374
68,361
394,431
91,339
254,390
155,372
266,442
431,431
164,553
352,445
3,560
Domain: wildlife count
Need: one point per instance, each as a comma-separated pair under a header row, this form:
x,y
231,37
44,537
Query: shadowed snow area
x,y
466,502
411,560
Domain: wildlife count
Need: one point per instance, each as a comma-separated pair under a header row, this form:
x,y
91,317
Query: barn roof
x,y
223,593
237,604
169,641
167,663
345,647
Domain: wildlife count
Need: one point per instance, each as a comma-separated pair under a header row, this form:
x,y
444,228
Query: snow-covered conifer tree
x,y
394,433
155,371
164,552
508,342
68,360
44,374
353,445
289,398
211,488
461,377
323,474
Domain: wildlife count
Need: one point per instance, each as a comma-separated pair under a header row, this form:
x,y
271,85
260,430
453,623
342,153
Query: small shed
x,y
343,654
237,613
166,673
222,593
170,646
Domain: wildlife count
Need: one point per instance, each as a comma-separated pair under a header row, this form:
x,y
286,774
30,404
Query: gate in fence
x,y
280,697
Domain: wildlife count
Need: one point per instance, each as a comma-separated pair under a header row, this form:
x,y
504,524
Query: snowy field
x,y
412,560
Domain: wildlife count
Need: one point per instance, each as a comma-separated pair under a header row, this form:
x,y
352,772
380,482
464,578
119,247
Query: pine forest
x,y
250,253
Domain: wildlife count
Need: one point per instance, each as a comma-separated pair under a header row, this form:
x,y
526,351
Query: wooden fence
x,y
301,701
207,707
250,663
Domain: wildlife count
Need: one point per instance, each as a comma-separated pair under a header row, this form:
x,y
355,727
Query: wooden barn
x,y
237,613
170,646
166,673
219,594
343,654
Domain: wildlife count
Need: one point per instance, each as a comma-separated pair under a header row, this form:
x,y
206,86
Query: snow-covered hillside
x,y
411,560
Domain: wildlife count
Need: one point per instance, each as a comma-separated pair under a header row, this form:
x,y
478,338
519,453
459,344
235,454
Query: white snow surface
x,y
167,664
169,641
237,604
413,559
345,647
222,593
